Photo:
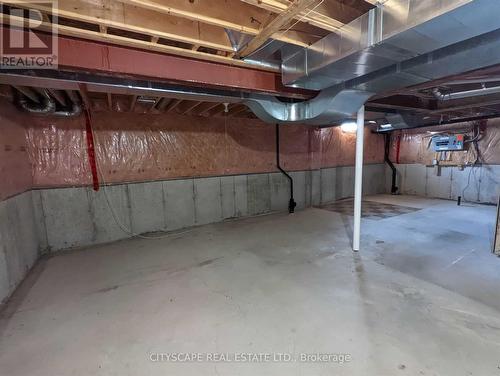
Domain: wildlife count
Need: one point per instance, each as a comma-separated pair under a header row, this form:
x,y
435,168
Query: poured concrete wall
x,y
18,235
168,172
73,217
19,247
411,152
478,184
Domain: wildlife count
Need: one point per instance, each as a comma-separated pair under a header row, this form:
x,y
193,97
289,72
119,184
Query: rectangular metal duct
x,y
394,31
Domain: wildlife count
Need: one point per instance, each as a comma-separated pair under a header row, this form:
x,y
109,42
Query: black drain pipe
x,y
291,204
394,188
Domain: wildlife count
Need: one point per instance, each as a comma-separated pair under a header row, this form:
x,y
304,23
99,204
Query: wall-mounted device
x,y
448,143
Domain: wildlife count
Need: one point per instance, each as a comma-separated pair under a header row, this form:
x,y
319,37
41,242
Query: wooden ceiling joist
x,y
228,14
209,106
110,101
314,18
197,28
128,42
173,104
275,25
84,95
190,106
122,16
28,92
328,15
236,111
59,96
133,102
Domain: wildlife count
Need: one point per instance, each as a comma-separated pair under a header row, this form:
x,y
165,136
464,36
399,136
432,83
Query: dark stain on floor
x,y
369,209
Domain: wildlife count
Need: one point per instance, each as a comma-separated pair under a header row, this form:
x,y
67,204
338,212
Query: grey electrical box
x,y
448,143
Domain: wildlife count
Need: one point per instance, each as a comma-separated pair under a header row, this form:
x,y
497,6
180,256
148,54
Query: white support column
x,y
358,181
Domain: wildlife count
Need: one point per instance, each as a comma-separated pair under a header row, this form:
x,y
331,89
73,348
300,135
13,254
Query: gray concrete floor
x,y
421,298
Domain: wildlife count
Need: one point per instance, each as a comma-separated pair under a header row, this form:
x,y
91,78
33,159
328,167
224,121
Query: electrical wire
x,y
474,140
469,180
123,227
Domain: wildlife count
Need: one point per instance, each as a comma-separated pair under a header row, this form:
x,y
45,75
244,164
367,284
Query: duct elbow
x,y
47,106
438,95
75,111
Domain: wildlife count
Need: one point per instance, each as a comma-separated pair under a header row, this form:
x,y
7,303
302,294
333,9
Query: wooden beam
x,y
228,14
173,104
110,101
28,92
155,104
314,18
160,106
45,17
133,102
124,41
85,96
237,111
73,95
207,108
275,25
77,55
404,103
190,107
122,16
58,96
467,106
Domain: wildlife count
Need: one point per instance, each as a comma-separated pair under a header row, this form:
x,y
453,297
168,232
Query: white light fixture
x,y
349,127
386,126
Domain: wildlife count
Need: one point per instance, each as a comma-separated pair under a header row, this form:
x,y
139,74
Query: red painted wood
x,y
91,150
86,55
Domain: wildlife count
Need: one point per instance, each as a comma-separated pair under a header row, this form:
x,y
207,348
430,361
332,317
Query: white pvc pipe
x,y
358,181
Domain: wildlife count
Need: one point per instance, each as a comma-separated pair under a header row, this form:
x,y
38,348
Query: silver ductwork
x,y
47,105
399,44
394,31
333,104
74,111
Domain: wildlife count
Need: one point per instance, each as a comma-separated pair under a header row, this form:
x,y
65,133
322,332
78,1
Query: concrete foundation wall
x,y
19,247
54,219
478,184
73,217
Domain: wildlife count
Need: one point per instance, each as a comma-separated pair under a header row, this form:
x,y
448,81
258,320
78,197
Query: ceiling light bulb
x,y
349,127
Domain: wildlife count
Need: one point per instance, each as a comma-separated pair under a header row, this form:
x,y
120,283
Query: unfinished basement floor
x,y
421,298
